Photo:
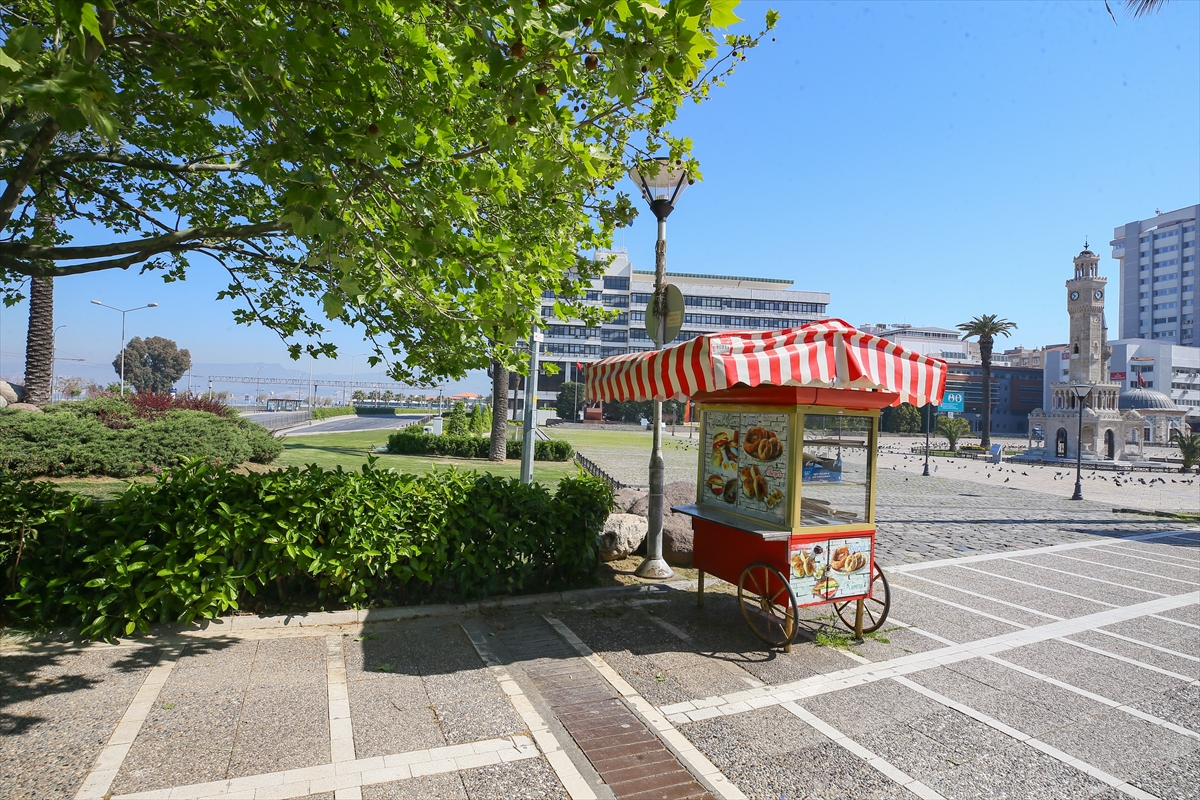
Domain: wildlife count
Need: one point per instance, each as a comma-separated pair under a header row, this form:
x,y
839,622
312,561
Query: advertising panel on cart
x,y
785,489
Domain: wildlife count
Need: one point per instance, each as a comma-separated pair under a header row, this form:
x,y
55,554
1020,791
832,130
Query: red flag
x,y
1141,381
579,365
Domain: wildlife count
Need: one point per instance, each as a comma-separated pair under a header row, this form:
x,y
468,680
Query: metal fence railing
x,y
279,420
592,468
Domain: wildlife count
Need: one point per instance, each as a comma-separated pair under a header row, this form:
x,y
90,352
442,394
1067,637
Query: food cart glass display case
x,y
785,489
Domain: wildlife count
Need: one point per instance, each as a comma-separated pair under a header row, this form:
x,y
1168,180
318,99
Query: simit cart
x,y
785,487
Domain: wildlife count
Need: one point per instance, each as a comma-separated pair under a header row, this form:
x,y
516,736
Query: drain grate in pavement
x,y
628,756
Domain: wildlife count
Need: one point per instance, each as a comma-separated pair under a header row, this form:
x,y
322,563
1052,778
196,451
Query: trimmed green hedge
x,y
411,441
203,540
332,411
102,437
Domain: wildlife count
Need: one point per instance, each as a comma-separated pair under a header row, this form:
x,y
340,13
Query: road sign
x,y
674,314
952,401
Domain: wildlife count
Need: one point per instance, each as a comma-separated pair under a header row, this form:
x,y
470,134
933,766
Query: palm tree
x,y
1189,448
986,327
953,428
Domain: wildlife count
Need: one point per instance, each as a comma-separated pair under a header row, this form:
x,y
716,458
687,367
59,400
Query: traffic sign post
x,y
953,401
674,315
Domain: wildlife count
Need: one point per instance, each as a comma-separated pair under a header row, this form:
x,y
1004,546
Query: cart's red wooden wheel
x,y
875,607
768,604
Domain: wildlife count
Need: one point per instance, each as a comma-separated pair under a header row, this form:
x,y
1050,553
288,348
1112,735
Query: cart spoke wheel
x,y
875,607
768,604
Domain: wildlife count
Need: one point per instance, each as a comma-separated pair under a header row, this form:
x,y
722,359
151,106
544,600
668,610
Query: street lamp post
x,y
661,184
1081,390
123,311
928,425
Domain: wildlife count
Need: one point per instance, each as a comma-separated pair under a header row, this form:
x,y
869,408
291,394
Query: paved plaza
x,y
1036,648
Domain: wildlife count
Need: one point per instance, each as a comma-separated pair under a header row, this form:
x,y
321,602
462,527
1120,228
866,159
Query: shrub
x,y
455,422
203,540
107,436
411,441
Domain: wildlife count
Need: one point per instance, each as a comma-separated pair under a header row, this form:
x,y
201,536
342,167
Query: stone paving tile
x,y
1087,590
1009,592
448,786
530,779
281,729
1120,744
943,620
1027,704
1146,655
390,716
823,771
1180,706
1162,633
1106,559
870,707
1017,772
1100,674
1190,614
67,708
933,743
750,738
992,587
185,739
1178,779
479,718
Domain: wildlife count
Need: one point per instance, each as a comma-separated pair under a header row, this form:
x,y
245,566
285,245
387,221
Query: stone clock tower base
x,y
1108,433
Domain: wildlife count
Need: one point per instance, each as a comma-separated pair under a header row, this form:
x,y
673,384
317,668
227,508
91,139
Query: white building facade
x,y
711,303
1158,277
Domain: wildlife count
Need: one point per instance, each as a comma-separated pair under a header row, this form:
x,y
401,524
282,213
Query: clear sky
x,y
922,162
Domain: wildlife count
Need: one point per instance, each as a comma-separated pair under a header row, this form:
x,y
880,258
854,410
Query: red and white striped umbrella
x,y
827,354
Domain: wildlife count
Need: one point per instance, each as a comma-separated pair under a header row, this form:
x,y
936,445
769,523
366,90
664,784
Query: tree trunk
x,y
39,341
499,447
985,356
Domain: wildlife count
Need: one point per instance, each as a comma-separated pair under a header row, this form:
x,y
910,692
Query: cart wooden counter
x,y
785,487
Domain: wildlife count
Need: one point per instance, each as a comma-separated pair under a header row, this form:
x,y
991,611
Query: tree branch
x,y
139,162
188,238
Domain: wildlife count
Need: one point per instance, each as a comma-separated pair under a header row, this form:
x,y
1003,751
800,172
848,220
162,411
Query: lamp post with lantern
x,y
1081,390
661,182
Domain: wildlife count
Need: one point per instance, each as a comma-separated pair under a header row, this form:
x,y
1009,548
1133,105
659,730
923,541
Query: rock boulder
x,y
680,493
623,533
24,407
8,392
624,499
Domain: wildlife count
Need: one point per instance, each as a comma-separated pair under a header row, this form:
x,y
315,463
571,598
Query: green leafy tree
x,y
953,428
455,421
904,418
358,396
987,327
480,420
153,364
571,399
422,170
1189,447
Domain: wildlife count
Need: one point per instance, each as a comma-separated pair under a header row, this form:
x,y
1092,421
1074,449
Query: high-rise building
x,y
711,303
1158,277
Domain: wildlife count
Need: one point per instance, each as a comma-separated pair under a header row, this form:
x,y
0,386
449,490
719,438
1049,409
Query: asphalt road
x,y
349,424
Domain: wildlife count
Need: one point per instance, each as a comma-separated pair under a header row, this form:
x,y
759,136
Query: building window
x,y
1166,249
637,316
593,295
1143,281
616,282
638,335
1158,236
613,351
1169,277
610,335
1189,229
616,301
640,297
622,319
704,302
1161,292
547,295
547,311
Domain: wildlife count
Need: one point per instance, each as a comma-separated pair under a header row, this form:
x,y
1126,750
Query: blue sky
x,y
922,162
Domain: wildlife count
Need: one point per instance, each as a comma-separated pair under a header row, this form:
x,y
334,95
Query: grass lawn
x,y
351,450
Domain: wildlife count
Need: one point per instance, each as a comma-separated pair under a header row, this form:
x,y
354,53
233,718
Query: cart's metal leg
x,y
700,590
858,621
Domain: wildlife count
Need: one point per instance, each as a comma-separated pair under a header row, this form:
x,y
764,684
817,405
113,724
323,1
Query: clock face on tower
x,y
1099,295
1074,295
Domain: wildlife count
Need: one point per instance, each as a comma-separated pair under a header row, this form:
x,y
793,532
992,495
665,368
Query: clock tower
x,y
1089,349
1099,430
